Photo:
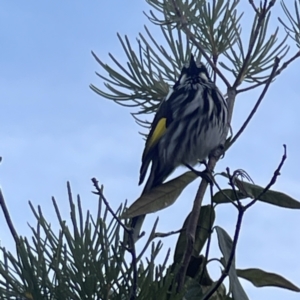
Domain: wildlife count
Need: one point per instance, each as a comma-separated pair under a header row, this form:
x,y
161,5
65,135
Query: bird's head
x,y
192,71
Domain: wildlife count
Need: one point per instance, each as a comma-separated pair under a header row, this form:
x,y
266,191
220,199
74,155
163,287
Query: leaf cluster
x,y
82,260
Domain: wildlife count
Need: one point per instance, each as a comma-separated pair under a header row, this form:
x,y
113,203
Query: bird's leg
x,y
218,152
206,174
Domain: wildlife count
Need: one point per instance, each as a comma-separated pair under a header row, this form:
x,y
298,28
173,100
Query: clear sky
x,y
53,128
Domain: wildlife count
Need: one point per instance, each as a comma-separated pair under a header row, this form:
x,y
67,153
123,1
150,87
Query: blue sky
x,y
53,128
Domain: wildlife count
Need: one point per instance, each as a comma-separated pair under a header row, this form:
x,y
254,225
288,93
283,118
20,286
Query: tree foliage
x,y
89,258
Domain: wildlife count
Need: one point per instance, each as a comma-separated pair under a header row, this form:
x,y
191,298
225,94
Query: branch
x,y
150,239
8,220
100,194
192,226
131,247
231,183
242,210
225,196
162,235
191,36
231,257
262,95
273,179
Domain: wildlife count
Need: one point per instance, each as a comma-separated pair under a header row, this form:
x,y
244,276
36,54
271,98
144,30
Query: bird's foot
x,y
206,174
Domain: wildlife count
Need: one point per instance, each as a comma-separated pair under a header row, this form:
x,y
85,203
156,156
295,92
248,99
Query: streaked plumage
x,y
188,125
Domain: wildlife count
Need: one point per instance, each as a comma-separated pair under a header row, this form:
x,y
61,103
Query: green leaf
x,y
271,197
223,195
249,190
261,278
194,291
205,222
225,245
160,197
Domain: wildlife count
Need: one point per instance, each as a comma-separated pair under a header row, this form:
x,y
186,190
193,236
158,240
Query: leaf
x,y
194,291
271,197
249,190
160,197
225,245
261,278
220,196
205,222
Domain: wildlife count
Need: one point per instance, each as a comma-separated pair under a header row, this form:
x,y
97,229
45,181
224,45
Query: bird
x,y
189,124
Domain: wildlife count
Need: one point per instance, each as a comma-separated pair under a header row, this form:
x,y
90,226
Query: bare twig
x,y
150,239
99,192
162,235
272,181
8,220
221,191
241,210
131,247
231,257
231,183
261,97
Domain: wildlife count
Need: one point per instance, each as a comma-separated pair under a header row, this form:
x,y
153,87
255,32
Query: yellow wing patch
x,y
157,133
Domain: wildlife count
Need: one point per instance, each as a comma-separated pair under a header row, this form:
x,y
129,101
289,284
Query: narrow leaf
x,y
271,197
249,190
227,196
160,197
261,278
225,245
205,222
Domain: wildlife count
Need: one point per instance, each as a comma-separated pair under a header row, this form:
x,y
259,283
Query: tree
x,y
91,262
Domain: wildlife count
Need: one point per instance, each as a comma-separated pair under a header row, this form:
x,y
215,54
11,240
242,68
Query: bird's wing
x,y
161,121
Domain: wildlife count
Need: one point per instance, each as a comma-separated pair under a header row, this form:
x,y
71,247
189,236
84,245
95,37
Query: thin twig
x,y
242,210
272,181
232,184
8,219
151,237
131,247
162,235
261,97
226,196
231,257
99,192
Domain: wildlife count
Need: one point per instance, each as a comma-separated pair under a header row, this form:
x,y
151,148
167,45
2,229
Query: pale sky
x,y
53,128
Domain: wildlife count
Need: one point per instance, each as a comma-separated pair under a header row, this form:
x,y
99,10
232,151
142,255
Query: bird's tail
x,y
156,178
137,222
